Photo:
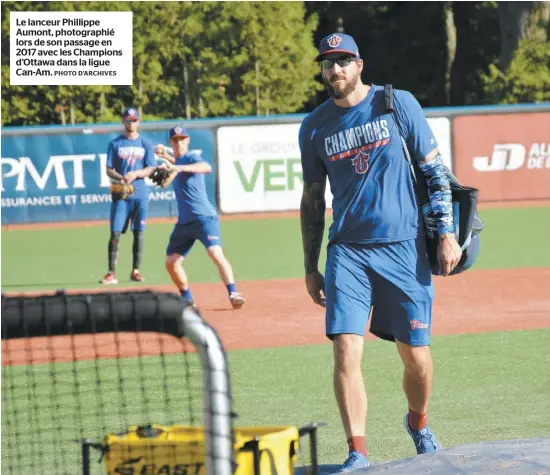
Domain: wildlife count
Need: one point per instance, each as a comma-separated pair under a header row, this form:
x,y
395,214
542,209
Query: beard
x,y
130,128
341,90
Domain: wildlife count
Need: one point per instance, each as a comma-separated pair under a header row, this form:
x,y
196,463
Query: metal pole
x,y
313,450
217,396
86,457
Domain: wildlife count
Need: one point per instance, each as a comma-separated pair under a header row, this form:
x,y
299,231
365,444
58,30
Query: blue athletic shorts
x,y
132,210
206,230
393,278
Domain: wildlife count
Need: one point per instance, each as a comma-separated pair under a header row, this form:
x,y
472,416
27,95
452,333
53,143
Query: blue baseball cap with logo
x,y
178,132
338,43
130,113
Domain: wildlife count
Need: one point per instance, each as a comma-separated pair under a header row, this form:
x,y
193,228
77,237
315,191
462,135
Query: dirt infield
x,y
241,216
280,313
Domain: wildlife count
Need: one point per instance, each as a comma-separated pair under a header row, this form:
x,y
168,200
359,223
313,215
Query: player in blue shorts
x,y
376,256
130,159
197,218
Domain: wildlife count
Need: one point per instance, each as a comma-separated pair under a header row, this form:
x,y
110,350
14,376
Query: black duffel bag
x,y
468,225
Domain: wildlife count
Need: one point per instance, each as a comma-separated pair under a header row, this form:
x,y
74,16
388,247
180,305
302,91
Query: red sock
x,y
358,443
417,421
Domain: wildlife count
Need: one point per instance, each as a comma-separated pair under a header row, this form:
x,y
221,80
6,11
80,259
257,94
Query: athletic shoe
x,y
424,439
354,461
136,276
236,299
109,278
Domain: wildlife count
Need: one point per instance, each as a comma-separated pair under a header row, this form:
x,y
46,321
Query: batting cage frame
x,y
27,320
84,314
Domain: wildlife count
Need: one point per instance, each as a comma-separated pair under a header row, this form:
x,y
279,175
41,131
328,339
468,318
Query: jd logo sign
x,y
278,175
511,156
505,157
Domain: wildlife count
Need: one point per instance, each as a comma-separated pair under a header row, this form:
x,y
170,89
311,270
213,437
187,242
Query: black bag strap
x,y
420,186
389,100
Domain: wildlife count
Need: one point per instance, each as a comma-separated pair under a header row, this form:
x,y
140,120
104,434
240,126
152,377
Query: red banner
x,y
506,156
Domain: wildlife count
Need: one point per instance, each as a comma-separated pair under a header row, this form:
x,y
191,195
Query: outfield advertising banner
x,y
506,156
260,167
61,177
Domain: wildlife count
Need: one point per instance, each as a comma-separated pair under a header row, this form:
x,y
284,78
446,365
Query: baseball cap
x,y
338,43
178,132
131,113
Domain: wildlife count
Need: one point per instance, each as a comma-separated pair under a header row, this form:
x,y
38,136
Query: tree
x,y
150,31
527,78
477,47
22,105
513,17
276,57
26,105
181,94
190,59
522,72
233,59
212,59
395,49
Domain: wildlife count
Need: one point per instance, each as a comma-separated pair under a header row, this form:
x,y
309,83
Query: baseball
x,y
160,149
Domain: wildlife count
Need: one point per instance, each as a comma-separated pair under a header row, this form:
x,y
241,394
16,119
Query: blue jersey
x,y
190,189
359,148
128,155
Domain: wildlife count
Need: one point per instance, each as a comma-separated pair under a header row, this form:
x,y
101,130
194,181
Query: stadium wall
x,y
57,173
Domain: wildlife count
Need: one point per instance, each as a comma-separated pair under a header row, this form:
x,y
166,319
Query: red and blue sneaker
x,y
354,461
424,439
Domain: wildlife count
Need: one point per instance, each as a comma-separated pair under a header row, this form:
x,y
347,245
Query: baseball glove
x,y
121,191
164,175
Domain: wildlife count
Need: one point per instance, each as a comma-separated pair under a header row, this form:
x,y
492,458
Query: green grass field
x,y
487,387
88,400
258,249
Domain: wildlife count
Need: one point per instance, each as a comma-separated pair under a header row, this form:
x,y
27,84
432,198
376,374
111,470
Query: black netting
x,y
82,366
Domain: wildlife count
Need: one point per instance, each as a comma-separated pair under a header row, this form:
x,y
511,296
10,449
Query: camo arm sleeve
x,y
423,148
439,193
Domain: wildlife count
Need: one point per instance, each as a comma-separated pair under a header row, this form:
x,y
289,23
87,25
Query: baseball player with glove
x,y
376,254
130,159
197,218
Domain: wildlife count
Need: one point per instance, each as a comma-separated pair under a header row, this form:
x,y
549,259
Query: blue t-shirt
x,y
359,148
126,155
190,189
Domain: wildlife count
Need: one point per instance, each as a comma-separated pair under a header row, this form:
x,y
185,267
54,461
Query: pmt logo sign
x,y
513,156
61,172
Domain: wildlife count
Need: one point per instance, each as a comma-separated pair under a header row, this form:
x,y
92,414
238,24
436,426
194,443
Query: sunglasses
x,y
129,121
342,62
